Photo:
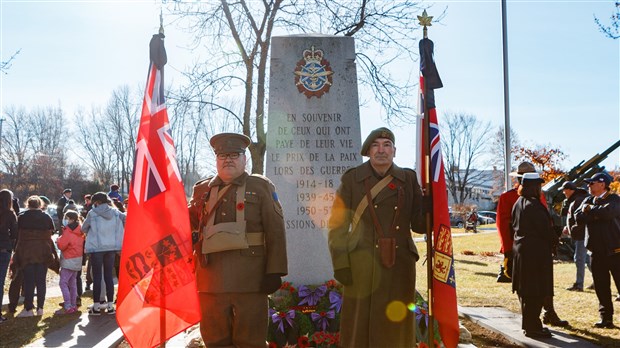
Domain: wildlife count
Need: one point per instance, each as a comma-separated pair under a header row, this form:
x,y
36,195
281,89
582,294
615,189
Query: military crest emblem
x,y
313,74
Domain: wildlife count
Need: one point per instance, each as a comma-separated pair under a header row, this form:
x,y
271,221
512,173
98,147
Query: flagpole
x,y
428,198
507,158
162,295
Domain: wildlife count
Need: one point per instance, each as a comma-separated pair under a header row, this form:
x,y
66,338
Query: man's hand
x,y
344,276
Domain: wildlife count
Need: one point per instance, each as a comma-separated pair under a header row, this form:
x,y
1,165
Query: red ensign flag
x,y
444,281
157,295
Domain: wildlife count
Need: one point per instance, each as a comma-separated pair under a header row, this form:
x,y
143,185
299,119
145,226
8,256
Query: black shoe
x,y
551,318
502,278
604,324
575,288
543,333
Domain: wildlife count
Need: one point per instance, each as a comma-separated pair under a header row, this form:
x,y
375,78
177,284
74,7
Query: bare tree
x,y
463,144
236,37
496,150
6,65
15,154
121,120
98,149
612,30
33,151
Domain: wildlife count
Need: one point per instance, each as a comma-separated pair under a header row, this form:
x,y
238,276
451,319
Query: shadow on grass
x,y
487,274
476,263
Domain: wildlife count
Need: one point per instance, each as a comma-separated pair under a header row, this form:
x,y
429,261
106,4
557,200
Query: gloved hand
x,y
195,237
270,283
344,276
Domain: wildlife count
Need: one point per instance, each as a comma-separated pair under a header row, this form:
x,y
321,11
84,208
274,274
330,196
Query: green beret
x,y
229,143
374,135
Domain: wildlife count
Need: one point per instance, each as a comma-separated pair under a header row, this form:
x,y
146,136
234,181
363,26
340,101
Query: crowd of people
x,y
530,241
89,238
240,246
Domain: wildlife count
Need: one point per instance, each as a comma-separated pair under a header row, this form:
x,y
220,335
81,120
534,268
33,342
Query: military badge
x,y
313,74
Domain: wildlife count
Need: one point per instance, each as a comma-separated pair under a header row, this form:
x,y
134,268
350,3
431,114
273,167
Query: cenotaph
x,y
313,138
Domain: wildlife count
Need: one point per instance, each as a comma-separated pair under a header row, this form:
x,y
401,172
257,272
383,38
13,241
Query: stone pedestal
x,y
313,138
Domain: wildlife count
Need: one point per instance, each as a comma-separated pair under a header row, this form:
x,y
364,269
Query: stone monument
x,y
313,138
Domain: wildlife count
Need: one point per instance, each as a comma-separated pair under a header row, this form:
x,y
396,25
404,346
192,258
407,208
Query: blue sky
x,y
564,73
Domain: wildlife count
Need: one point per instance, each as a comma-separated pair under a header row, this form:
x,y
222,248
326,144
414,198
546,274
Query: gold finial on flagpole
x,y
425,20
161,22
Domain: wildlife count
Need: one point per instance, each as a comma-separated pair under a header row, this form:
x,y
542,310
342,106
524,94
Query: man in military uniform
x,y
240,247
373,254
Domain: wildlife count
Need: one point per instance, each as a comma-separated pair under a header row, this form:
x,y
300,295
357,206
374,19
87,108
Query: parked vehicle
x,y
456,220
486,217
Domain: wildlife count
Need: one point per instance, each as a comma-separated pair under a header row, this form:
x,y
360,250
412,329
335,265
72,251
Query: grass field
x,y
477,263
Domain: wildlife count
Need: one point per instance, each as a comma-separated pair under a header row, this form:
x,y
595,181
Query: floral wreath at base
x,y
309,316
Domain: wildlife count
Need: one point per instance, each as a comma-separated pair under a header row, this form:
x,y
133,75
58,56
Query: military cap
x,y
229,143
532,177
67,190
568,185
374,135
600,177
524,167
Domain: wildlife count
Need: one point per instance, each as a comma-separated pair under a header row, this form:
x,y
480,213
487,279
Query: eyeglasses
x,y
592,183
223,156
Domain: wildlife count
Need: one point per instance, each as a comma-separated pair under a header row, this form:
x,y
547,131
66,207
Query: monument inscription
x,y
313,138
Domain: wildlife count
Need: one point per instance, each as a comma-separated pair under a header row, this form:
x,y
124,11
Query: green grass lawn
x,y
477,261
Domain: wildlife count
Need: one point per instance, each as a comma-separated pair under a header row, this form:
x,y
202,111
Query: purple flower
x,y
279,318
311,297
321,319
336,301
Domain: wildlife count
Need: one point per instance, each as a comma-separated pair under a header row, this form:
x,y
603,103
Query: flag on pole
x,y
157,295
443,292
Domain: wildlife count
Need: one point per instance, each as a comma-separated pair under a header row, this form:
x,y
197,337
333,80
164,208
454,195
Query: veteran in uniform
x,y
377,206
240,247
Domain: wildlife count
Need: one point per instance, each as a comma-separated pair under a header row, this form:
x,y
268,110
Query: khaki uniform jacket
x,y
364,322
241,270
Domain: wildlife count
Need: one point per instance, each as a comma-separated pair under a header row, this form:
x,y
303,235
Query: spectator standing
x,y
104,228
71,246
600,213
574,197
8,236
34,252
534,239
114,194
375,259
64,199
88,205
70,206
235,275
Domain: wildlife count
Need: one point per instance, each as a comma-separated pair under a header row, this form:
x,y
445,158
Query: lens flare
x,y
396,311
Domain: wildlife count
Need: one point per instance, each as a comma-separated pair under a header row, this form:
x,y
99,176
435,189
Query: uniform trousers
x,y
234,319
602,266
530,312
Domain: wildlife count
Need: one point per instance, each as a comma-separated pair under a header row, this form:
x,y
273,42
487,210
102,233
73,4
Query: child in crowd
x,y
71,244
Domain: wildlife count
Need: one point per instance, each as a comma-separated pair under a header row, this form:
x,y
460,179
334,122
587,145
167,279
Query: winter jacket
x,y
104,228
34,244
71,244
8,230
602,221
577,232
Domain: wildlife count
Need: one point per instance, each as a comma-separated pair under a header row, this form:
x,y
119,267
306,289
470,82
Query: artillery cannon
x,y
554,195
585,169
